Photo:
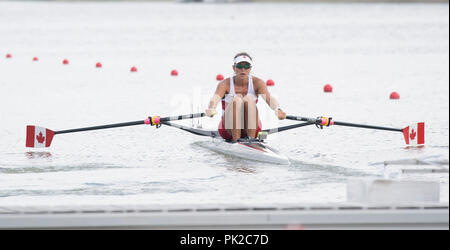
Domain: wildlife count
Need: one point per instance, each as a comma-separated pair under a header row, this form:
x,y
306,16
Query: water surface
x,y
365,51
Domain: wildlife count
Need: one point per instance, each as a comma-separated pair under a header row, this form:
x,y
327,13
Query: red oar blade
x,y
415,134
39,137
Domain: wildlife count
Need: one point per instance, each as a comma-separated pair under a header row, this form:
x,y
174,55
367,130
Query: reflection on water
x,y
419,148
242,169
34,155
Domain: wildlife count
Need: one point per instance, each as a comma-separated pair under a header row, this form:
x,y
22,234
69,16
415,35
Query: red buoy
x,y
98,65
394,96
8,55
327,88
133,69
174,72
65,61
270,82
219,77
35,59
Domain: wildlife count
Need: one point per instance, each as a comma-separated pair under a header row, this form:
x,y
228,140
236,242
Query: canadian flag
x,y
415,134
38,137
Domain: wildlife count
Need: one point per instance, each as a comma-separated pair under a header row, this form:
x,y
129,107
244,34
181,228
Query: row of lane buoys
x,y
174,72
393,96
327,88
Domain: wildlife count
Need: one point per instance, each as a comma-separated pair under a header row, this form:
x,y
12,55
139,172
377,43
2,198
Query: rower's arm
x,y
218,95
270,100
264,93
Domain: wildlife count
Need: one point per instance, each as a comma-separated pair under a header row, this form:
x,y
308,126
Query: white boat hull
x,y
255,151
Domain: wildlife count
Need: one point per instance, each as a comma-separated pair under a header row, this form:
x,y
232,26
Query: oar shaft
x,y
347,124
125,124
367,126
116,125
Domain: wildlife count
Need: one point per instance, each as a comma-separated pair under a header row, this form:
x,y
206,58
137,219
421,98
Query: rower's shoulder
x,y
258,81
226,80
223,86
224,83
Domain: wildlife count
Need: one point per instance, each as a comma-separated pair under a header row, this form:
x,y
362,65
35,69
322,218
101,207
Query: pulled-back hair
x,y
243,54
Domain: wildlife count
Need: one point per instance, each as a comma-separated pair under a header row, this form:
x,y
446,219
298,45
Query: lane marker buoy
x,y
270,82
327,88
394,96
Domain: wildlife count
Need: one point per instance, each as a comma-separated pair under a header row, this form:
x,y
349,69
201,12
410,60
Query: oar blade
x,y
414,135
38,137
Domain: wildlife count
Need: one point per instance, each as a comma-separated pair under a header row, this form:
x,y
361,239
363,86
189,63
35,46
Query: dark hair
x,y
243,54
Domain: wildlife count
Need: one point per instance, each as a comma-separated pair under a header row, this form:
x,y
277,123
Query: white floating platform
x,y
368,190
294,216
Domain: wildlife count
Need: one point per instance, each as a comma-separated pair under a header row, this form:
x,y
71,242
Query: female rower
x,y
239,96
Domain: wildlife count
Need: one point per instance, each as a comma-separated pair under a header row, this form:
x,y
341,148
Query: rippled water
x,y
365,51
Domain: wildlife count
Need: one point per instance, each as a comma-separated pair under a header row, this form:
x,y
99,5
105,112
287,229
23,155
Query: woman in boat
x,y
239,96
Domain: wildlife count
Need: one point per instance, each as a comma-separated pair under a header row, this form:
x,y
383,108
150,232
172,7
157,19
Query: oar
x,y
414,136
280,129
38,137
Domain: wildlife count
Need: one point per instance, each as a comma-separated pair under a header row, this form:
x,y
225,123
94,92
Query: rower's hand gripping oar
x,y
413,135
39,137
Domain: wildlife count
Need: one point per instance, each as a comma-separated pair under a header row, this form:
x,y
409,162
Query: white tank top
x,y
229,97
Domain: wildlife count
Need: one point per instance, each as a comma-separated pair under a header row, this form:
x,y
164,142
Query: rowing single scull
x,y
252,149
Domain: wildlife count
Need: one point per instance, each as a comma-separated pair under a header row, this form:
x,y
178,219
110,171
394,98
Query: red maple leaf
x,y
40,138
412,135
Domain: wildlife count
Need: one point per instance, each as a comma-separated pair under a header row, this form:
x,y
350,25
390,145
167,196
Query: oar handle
x,y
303,119
320,121
182,117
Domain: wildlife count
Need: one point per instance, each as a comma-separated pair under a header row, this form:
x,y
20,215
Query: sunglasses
x,y
243,66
